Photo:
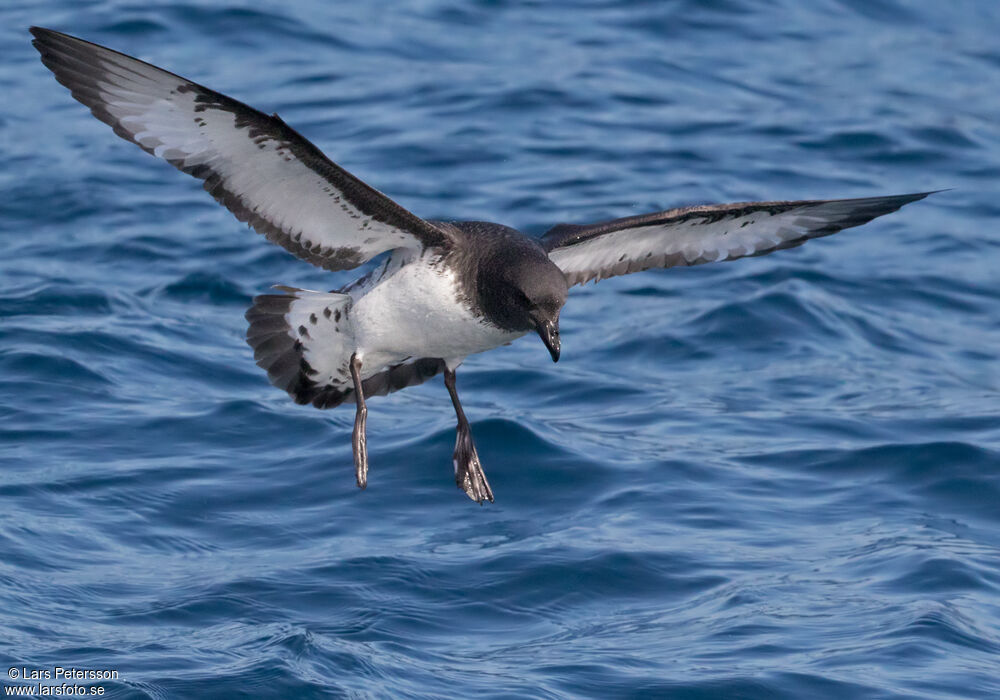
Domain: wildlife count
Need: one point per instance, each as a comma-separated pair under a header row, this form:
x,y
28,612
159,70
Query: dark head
x,y
519,288
538,292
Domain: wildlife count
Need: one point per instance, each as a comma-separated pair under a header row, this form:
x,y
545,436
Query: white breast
x,y
415,311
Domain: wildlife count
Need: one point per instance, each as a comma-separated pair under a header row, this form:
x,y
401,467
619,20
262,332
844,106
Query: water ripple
x,y
776,478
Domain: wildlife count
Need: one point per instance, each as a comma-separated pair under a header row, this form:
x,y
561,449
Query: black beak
x,y
548,331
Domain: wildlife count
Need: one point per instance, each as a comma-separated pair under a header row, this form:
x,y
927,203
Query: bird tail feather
x,y
305,340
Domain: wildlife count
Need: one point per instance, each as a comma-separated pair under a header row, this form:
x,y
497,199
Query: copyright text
x,y
31,681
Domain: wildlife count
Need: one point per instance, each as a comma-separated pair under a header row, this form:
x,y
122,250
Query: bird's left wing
x,y
257,166
696,235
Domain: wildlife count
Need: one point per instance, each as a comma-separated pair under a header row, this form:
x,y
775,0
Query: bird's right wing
x,y
260,168
696,235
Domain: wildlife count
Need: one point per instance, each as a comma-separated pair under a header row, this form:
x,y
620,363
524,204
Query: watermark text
x,y
57,681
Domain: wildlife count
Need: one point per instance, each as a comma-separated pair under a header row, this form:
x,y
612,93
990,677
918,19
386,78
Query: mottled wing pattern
x,y
304,340
696,235
256,165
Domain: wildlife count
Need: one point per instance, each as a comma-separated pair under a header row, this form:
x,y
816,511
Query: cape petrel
x,y
445,289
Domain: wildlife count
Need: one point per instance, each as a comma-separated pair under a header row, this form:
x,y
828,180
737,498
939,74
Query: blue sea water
x,y
773,478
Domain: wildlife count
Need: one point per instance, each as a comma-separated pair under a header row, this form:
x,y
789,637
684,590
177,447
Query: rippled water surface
x,y
778,477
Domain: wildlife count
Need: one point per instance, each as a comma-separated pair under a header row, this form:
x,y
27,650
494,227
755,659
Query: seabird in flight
x,y
445,289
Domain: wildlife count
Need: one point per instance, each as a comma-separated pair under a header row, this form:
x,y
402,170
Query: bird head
x,y
543,310
528,296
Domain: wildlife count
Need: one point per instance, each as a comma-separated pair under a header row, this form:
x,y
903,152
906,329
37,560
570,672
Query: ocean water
x,y
772,478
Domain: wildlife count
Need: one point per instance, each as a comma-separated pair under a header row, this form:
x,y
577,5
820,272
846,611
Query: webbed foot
x,y
469,473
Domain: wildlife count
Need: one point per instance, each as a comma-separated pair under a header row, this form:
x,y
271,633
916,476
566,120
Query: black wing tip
x,y
45,37
894,200
911,197
917,196
868,208
921,195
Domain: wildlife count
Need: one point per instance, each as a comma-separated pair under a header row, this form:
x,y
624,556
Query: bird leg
x,y
468,471
359,440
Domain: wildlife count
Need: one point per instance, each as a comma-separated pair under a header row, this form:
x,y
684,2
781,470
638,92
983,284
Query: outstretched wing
x,y
260,168
696,235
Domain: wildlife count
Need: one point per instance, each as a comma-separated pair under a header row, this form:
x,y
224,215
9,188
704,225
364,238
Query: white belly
x,y
416,312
